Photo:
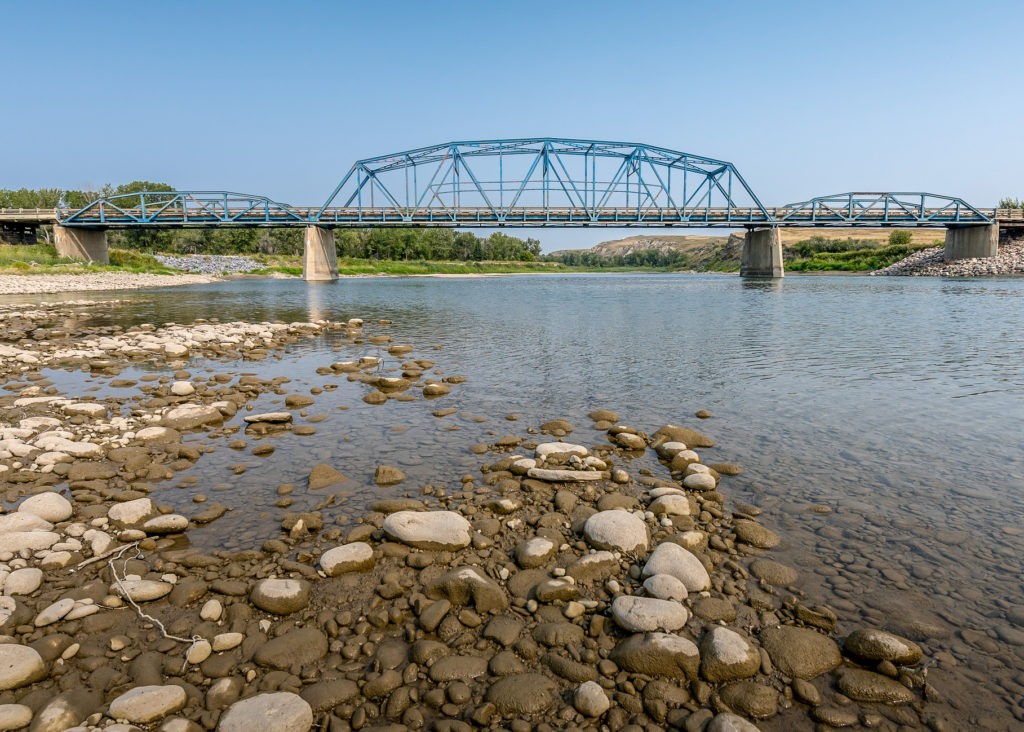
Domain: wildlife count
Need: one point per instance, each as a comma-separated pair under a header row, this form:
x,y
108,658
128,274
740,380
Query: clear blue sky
x,y
806,98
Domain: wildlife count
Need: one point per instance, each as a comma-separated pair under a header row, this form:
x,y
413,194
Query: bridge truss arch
x,y
880,209
542,181
182,209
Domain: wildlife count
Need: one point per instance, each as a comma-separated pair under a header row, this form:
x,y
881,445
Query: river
x,y
879,421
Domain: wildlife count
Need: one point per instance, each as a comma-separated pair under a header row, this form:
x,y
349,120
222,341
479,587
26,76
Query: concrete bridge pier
x,y
86,244
319,256
762,253
970,242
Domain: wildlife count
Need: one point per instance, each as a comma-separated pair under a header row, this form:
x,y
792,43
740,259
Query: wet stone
x,y
750,698
296,647
658,654
280,596
800,652
518,694
867,686
773,573
725,655
872,644
752,533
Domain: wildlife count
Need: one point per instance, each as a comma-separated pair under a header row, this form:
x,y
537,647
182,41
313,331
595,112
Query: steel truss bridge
x,y
536,182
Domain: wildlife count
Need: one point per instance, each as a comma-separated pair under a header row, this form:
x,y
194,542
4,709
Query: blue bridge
x,y
535,182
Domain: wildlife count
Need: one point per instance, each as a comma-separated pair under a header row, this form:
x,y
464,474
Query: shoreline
x,y
44,284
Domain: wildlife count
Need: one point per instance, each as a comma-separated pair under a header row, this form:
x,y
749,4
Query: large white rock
x,y
646,614
182,388
565,476
19,521
23,581
672,559
559,448
354,557
15,541
50,442
131,512
19,666
617,531
665,587
282,711
157,434
700,482
148,703
437,530
50,506
14,716
190,416
670,505
86,409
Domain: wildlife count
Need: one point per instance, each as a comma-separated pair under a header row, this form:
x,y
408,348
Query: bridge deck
x,y
519,217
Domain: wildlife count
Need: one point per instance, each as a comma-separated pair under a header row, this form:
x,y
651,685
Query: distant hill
x,y
698,252
722,253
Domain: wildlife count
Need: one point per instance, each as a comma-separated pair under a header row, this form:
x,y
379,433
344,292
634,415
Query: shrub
x,y
1009,202
898,238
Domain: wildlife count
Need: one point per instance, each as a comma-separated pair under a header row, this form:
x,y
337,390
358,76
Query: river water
x,y
879,421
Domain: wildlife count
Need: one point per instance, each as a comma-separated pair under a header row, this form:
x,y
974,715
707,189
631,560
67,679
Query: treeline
x,y
384,244
651,258
390,244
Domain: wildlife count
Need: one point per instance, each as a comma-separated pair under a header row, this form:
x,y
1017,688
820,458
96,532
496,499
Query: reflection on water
x,y
896,403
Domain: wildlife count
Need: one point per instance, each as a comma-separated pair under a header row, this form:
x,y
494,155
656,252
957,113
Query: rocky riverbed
x,y
210,264
557,586
1009,260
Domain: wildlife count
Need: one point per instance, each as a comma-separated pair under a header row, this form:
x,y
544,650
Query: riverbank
x,y
556,584
35,284
1009,260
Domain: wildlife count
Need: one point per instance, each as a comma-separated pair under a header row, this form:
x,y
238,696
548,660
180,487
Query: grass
x,y
43,259
854,260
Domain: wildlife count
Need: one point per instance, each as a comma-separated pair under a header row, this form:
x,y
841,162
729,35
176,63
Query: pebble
x,y
590,699
354,557
275,712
